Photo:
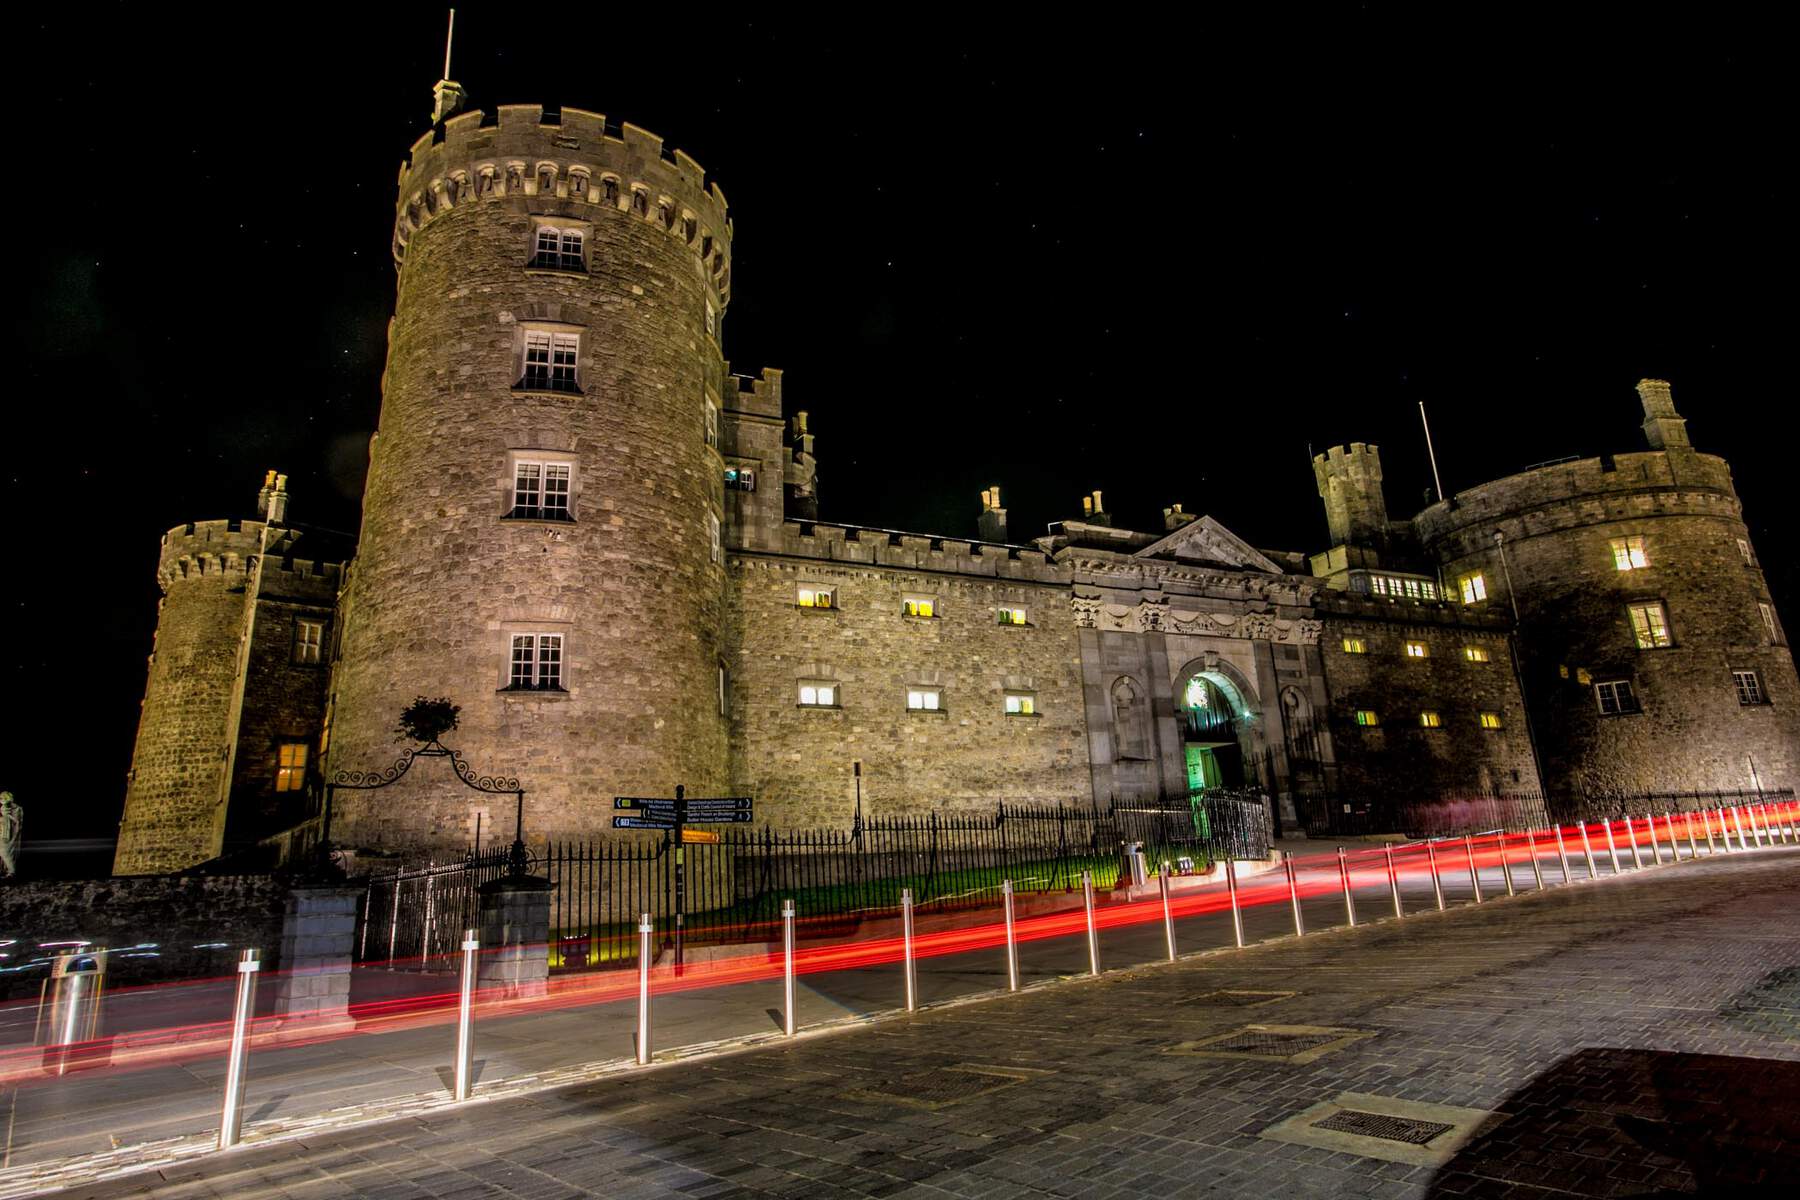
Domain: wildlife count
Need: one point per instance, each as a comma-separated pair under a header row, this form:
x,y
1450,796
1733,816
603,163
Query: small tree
x,y
427,720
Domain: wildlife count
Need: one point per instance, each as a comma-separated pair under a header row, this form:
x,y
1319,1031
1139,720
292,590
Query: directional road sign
x,y
641,823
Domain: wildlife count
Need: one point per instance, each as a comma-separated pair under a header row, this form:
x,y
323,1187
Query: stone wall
x,y
969,754
161,927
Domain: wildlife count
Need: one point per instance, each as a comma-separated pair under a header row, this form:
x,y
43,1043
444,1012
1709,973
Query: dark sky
x,y
1161,257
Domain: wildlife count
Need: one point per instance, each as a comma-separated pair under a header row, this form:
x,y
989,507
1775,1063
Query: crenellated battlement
x,y
202,548
574,158
855,545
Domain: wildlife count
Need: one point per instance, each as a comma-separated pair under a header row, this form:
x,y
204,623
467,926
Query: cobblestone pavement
x,y
1631,1037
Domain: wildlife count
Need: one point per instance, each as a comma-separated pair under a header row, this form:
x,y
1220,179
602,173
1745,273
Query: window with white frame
x,y
1417,650
1744,550
1768,620
924,699
1629,554
712,321
541,490
1650,625
1021,704
715,546
1010,614
309,642
1473,587
536,662
1749,687
1615,697
550,361
558,249
815,595
710,427
919,606
290,766
1476,654
818,693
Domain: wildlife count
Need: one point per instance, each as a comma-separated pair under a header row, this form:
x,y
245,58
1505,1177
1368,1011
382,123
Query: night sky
x,y
1161,257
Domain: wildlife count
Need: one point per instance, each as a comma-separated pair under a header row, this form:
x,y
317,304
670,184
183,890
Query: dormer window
x,y
558,249
550,360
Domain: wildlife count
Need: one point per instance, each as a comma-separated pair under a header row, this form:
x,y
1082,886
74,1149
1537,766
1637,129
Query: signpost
x,y
672,815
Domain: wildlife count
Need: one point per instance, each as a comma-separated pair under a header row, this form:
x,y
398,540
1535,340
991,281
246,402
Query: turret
x,y
1349,479
992,523
1664,428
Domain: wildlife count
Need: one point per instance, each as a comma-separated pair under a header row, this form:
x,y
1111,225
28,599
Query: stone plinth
x,y
515,936
318,933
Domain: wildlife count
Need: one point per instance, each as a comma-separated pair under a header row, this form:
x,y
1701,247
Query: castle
x,y
581,526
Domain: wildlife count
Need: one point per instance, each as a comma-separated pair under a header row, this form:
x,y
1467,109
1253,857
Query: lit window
x,y
1768,620
923,699
1356,645
711,433
536,662
1472,586
558,249
1615,697
550,361
1010,616
290,766
1417,650
541,490
1650,625
740,479
1367,717
818,695
813,595
309,642
1475,653
1490,720
919,606
1430,720
1749,687
1021,704
715,546
1744,549
1628,554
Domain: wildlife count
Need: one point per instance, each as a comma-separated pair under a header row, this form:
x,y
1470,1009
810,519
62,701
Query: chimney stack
x,y
262,497
1094,512
1664,428
1174,518
992,523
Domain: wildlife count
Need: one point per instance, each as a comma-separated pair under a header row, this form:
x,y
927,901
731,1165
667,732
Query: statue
x,y
12,832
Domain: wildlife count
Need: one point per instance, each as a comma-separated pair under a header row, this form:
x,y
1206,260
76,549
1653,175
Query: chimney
x,y
262,497
1094,512
1664,428
278,501
992,523
1174,518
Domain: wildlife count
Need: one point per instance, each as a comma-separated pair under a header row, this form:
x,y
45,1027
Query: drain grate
x,y
939,1086
1233,998
1272,1045
1380,1125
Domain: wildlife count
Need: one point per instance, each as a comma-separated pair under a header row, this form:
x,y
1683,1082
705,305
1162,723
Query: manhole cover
x,y
1272,1045
1231,998
1379,1125
939,1086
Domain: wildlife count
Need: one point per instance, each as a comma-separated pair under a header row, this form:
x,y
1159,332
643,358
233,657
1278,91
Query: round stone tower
x,y
1651,655
175,798
541,524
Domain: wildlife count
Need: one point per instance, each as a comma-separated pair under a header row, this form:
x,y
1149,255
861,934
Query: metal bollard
x,y
1294,899
231,1120
465,1018
789,992
1637,859
906,938
1562,855
1655,850
1012,939
1162,879
1763,811
1393,881
1344,872
1706,823
1612,844
1587,847
1093,934
1737,818
1237,916
1437,885
1674,843
1755,830
1687,819
646,928
1505,866
1474,875
1537,871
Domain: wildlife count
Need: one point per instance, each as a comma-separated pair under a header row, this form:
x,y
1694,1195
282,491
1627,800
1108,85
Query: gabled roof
x,y
1205,540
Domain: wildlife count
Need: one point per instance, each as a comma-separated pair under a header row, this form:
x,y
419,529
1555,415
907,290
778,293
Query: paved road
x,y
1625,1037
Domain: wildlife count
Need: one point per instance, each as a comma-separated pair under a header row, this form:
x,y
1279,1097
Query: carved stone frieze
x,y
1156,616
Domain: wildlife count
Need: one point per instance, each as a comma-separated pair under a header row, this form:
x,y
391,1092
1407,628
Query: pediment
x,y
1207,541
